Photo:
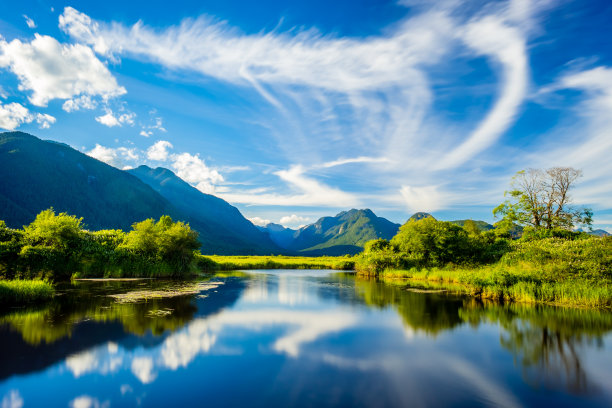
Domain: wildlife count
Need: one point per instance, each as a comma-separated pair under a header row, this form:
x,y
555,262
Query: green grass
x,y
525,284
228,263
18,292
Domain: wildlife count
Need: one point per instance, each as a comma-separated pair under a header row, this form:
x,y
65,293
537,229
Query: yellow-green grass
x,y
228,263
17,292
523,283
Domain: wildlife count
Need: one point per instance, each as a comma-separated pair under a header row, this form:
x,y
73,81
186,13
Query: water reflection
x,y
304,338
547,342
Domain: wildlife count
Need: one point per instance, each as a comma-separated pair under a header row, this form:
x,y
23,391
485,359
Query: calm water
x,y
300,338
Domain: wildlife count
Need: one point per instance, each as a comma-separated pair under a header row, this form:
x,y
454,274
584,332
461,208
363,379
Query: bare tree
x,y
542,199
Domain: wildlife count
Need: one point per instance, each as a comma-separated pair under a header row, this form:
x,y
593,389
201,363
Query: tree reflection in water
x,y
546,341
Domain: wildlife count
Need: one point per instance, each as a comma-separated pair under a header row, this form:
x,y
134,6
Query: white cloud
x,y
361,159
308,191
159,150
115,157
13,115
193,170
82,102
51,70
426,198
585,143
293,220
142,368
82,363
12,400
145,133
111,120
505,45
29,21
85,401
108,119
259,221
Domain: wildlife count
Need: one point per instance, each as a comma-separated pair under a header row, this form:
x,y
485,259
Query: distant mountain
x,y
597,232
280,235
346,233
222,227
483,226
37,174
420,215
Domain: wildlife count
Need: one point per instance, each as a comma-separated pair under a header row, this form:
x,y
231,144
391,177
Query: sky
x,y
293,110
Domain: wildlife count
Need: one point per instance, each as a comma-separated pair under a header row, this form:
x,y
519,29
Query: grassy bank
x,y
571,269
228,263
510,284
19,292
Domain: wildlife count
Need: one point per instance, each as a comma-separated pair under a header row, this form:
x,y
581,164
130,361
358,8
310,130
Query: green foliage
x,y
55,247
431,242
427,242
61,232
165,240
18,292
552,270
229,263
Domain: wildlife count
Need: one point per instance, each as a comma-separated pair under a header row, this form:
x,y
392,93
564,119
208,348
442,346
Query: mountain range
x,y
346,233
36,174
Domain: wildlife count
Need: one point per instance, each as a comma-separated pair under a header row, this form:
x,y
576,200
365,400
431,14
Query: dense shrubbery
x,y
550,266
428,242
55,246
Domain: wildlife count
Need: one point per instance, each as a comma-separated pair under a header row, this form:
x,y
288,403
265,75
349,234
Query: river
x,y
298,338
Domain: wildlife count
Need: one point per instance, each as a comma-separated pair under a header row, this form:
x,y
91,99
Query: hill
x,y
280,235
419,216
346,233
39,174
483,226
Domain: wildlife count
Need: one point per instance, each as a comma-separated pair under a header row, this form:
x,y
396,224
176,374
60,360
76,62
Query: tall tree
x,y
541,198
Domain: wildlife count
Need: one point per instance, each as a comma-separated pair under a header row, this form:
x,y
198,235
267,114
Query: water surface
x,y
300,338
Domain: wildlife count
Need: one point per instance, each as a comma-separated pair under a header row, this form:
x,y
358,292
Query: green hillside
x,y
483,226
346,233
39,174
228,230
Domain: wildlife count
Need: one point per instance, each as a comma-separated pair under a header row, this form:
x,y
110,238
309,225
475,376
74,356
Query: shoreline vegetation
x,y
556,267
551,266
231,263
19,292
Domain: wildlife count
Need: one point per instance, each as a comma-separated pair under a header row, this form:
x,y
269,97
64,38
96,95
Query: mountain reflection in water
x,y
301,338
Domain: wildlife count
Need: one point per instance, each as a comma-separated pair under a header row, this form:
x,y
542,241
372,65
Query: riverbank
x,y
229,263
509,284
20,292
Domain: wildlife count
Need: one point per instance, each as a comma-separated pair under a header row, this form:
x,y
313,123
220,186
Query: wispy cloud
x,y
30,23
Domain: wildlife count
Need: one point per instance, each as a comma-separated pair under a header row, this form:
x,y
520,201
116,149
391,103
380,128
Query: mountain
x,y
420,215
222,227
483,226
600,233
281,236
37,174
346,233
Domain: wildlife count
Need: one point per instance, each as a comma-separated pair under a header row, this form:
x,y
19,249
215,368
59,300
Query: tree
x,y
61,232
431,242
541,199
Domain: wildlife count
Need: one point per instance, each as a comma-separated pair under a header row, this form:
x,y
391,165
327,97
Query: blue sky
x,y
296,110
